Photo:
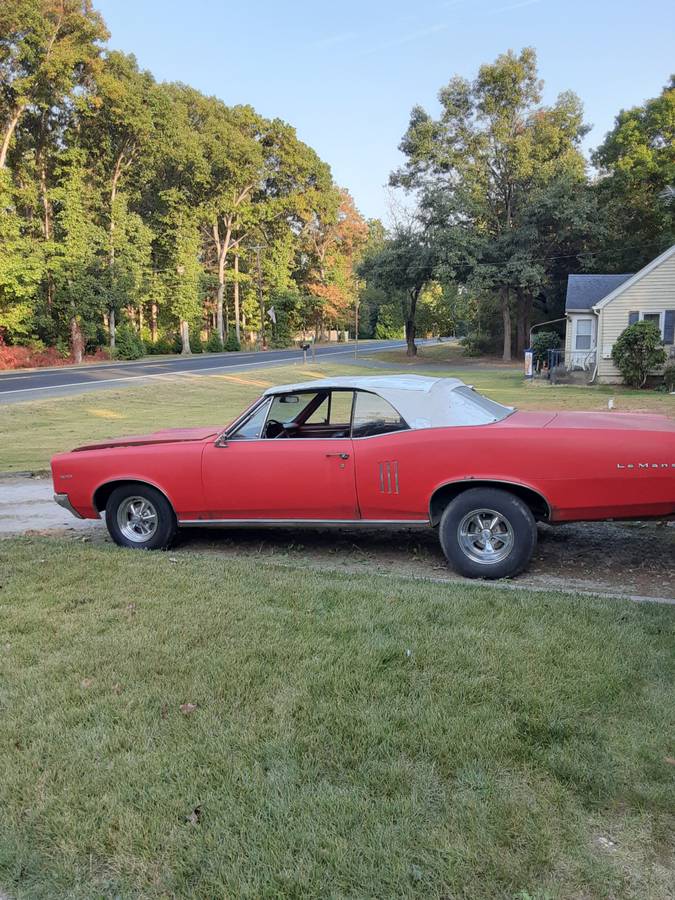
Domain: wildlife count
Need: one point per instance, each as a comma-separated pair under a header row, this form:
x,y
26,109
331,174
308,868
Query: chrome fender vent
x,y
388,476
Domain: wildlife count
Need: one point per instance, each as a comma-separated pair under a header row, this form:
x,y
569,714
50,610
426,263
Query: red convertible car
x,y
381,451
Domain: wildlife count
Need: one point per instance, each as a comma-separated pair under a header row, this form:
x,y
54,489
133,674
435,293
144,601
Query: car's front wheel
x,y
488,533
139,516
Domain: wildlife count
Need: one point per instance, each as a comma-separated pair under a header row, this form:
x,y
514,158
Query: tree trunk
x,y
76,340
221,248
506,322
237,317
153,322
410,314
410,337
185,338
9,132
111,248
524,312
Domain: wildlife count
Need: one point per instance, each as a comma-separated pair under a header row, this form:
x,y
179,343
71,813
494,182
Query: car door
x,y
250,476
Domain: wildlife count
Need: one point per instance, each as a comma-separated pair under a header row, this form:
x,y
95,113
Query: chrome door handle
x,y
341,455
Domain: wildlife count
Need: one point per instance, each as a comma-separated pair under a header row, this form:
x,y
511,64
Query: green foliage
x,y
636,200
637,352
388,325
196,344
161,346
503,180
231,342
214,343
542,342
669,376
128,343
476,344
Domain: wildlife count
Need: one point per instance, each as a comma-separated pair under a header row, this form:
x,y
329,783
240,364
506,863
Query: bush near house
x,y
542,343
637,352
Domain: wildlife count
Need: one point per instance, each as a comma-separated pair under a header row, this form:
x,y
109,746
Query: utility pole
x,y
261,302
356,327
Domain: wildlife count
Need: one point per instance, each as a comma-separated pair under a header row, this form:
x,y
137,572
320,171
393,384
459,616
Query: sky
x,y
346,74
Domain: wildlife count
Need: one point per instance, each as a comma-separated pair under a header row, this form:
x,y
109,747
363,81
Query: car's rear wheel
x,y
488,533
139,516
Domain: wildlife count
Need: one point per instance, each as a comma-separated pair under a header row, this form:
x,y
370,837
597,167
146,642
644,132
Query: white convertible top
x,y
423,401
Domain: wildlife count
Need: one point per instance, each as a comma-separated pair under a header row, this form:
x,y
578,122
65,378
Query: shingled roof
x,y
584,291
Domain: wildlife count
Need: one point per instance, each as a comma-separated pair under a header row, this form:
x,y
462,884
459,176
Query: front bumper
x,y
62,500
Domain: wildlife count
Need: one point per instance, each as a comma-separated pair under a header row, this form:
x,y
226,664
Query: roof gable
x,y
584,291
635,278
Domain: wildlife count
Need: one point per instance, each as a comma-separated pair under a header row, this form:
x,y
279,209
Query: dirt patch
x,y
622,558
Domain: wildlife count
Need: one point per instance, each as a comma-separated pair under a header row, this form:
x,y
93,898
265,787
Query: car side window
x,y
375,415
251,428
336,409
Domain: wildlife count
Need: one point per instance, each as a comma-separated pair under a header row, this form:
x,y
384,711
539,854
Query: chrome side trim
x,y
62,500
206,523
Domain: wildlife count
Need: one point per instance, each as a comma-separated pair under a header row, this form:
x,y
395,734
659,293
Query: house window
x,y
657,318
584,334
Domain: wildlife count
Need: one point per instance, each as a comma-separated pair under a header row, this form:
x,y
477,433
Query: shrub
x,y
637,351
162,345
196,344
231,342
669,376
214,343
474,344
128,343
542,342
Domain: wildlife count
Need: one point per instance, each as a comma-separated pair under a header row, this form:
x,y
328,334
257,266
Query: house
x,y
599,307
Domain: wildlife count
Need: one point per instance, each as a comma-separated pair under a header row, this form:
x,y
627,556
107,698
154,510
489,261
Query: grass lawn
x,y
344,737
30,433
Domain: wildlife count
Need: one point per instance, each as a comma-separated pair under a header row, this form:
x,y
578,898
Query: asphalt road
x,y
16,387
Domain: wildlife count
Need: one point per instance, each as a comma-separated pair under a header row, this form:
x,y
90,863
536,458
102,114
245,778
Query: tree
x,y
635,190
118,128
47,47
484,170
402,269
21,268
77,247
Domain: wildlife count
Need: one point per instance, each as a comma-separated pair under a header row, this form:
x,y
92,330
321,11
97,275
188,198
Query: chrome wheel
x,y
137,519
485,536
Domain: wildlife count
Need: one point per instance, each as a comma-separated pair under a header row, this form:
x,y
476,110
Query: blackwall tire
x,y
140,517
488,533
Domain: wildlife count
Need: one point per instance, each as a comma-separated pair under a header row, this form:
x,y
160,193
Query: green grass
x,y
351,737
30,433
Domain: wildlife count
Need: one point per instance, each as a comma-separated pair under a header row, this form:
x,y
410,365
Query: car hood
x,y
168,436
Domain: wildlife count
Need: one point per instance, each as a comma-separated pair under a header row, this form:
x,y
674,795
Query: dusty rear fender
x,y
446,491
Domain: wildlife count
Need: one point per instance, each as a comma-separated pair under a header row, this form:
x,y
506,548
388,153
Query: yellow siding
x,y
652,293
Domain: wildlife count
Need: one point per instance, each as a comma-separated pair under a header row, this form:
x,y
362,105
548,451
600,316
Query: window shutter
x,y
669,327
633,317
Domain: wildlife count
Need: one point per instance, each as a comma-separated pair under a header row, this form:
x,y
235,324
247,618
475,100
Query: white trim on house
x,y
635,278
584,357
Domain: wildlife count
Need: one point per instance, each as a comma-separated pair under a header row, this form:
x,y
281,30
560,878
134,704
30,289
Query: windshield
x,y
476,409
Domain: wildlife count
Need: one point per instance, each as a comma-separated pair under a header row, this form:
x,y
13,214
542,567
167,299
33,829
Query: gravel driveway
x,y
618,558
